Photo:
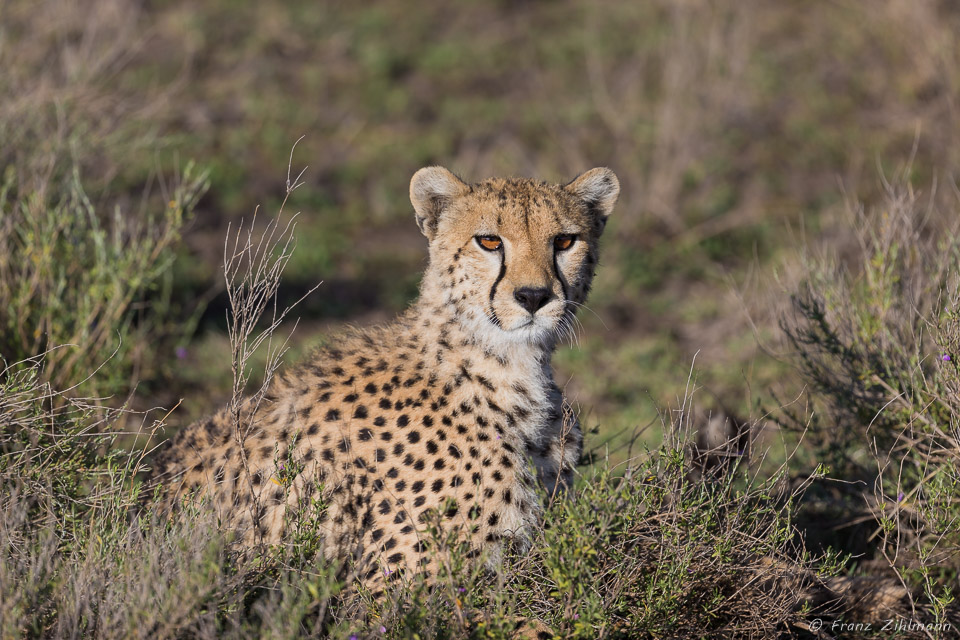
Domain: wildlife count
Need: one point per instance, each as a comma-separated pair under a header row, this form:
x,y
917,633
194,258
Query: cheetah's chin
x,y
533,330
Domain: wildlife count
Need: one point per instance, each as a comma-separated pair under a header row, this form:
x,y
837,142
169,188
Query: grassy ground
x,y
746,137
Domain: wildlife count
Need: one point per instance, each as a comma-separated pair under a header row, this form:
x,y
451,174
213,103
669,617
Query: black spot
x,y
403,421
418,502
419,465
384,507
431,446
398,449
493,519
497,476
454,451
365,434
379,421
377,534
333,414
385,403
351,397
437,485
370,388
360,412
401,485
505,461
427,421
379,455
344,445
456,481
395,558
417,486
413,437
393,473
400,517
312,431
507,496
439,464
328,455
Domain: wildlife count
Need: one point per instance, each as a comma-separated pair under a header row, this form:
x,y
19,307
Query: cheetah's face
x,y
514,257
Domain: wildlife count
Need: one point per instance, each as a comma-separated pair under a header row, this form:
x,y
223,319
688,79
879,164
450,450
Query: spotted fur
x,y
448,416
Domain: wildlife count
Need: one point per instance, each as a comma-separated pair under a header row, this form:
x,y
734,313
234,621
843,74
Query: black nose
x,y
532,299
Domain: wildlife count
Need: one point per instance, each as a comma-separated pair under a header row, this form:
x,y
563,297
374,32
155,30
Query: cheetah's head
x,y
514,257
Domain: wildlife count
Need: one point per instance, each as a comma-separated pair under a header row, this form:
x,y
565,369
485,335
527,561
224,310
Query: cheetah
x,y
448,415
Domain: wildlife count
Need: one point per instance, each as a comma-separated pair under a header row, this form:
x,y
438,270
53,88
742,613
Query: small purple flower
x,y
900,497
576,616
383,629
182,353
945,357
498,436
462,590
353,636
387,572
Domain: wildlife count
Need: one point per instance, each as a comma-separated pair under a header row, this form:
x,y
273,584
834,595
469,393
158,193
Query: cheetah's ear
x,y
598,189
431,191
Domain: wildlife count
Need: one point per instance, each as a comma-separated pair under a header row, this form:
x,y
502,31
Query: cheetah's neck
x,y
519,375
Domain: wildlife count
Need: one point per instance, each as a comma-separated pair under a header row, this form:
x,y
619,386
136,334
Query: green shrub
x,y
81,287
876,333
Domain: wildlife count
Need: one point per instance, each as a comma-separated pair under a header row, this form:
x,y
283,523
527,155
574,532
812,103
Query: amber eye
x,y
564,242
490,243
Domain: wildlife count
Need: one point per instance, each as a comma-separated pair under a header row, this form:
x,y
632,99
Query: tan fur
x,y
436,416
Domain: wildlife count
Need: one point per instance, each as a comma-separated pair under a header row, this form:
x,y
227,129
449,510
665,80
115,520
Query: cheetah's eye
x,y
490,243
563,242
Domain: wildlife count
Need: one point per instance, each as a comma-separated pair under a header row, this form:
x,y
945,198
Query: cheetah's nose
x,y
531,298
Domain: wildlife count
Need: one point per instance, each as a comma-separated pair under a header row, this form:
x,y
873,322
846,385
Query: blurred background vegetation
x,y
737,131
